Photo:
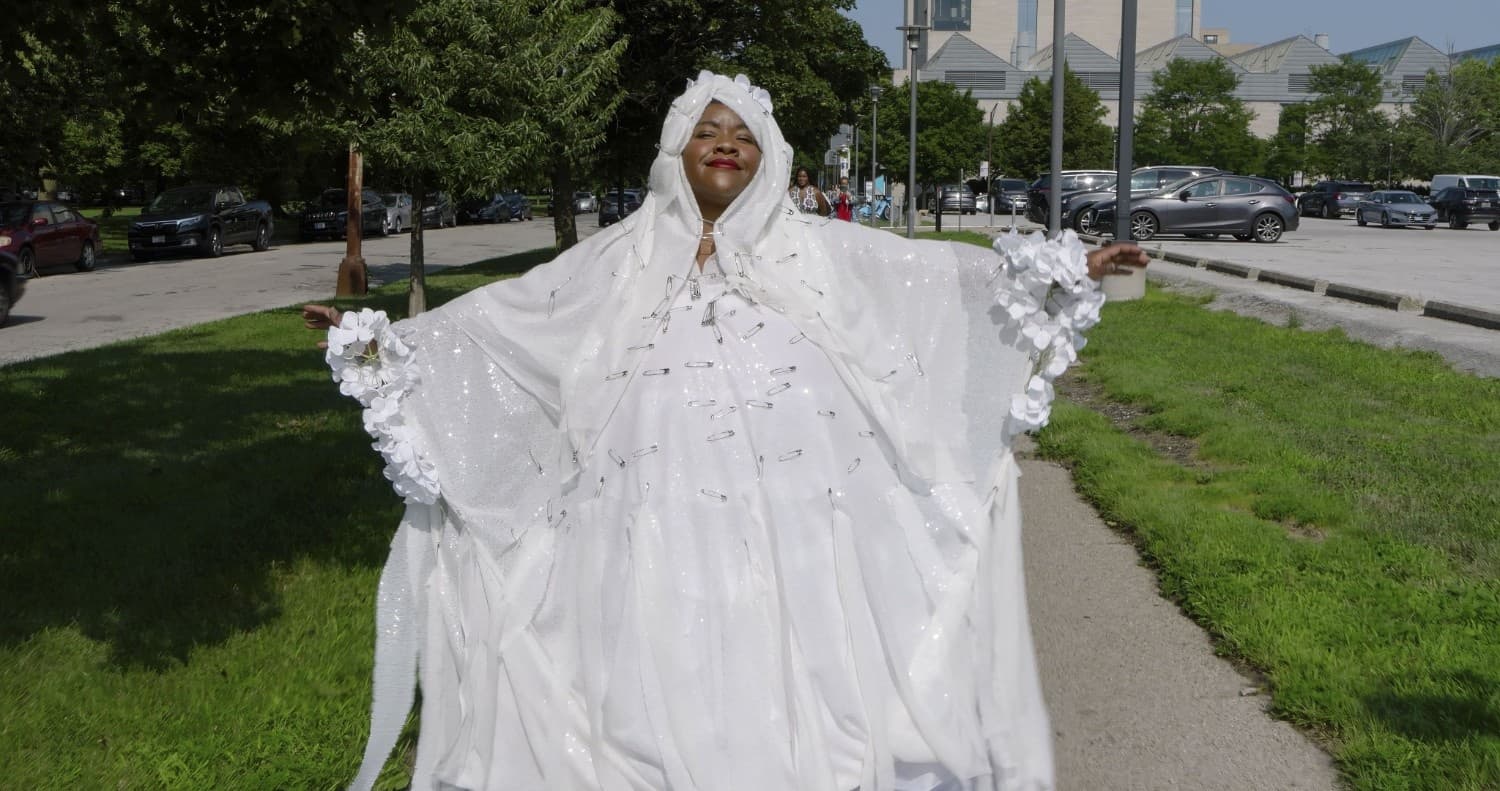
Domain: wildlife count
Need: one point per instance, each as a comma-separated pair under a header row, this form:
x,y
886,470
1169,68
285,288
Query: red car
x,y
42,234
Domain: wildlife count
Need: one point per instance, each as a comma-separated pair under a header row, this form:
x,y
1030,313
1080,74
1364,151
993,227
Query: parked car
x,y
1068,181
957,199
1331,199
1475,181
438,211
12,284
1007,194
520,205
328,218
1462,206
491,208
610,206
1245,206
42,234
1078,206
397,211
1395,207
584,202
203,219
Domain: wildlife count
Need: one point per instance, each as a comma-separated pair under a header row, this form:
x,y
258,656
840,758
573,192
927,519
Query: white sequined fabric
x,y
745,528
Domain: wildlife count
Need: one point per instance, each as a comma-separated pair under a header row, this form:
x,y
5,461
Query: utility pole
x,y
1054,192
913,41
1126,126
875,92
989,157
353,276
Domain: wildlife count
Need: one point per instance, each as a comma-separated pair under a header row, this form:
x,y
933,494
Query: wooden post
x,y
353,276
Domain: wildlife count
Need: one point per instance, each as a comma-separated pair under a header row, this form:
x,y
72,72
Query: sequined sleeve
x,y
1045,291
374,363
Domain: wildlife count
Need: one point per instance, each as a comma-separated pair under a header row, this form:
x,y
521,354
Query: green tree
x,y
1287,151
951,134
1193,117
1345,125
813,60
1023,143
1453,122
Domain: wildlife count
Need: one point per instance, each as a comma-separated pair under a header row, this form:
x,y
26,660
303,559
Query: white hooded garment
x,y
750,528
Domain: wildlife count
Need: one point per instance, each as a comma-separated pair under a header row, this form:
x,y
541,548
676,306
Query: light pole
x,y
875,92
913,40
989,158
1054,192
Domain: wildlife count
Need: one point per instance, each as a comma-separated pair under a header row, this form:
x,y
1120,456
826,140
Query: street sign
x,y
984,169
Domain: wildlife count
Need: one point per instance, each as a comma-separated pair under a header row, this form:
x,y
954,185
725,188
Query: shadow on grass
x,y
1463,708
160,491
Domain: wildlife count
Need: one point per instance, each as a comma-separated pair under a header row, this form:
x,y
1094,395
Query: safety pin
x,y
694,290
644,452
915,362
657,372
599,490
709,312
750,333
852,467
720,496
789,455
798,338
887,376
790,369
718,334
720,435
781,388
615,457
827,413
643,347
814,290
867,434
616,375
760,466
552,297
703,402
723,413
703,364
534,462
759,404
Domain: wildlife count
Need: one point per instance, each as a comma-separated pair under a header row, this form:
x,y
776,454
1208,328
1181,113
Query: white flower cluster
x,y
760,95
1045,289
373,364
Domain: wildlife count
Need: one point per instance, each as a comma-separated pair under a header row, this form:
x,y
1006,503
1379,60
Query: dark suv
x,y
1070,181
1460,206
1078,207
1332,198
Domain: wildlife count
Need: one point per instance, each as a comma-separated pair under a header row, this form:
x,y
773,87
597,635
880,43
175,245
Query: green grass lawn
x,y
195,524
113,229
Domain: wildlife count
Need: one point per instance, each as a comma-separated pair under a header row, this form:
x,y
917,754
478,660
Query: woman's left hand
x,y
1115,259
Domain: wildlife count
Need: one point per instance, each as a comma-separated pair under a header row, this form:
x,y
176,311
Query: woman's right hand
x,y
320,317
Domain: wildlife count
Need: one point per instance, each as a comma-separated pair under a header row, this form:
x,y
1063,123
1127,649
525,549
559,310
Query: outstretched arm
x,y
1116,258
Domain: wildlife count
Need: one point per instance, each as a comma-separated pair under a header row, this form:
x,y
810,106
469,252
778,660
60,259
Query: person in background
x,y
843,201
806,195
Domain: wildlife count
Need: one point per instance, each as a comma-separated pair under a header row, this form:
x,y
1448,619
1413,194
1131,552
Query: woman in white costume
x,y
722,498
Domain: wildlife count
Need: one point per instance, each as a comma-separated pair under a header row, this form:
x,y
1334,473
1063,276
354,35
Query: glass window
x,y
1240,187
951,15
62,214
39,211
1145,181
1184,17
1204,189
1210,38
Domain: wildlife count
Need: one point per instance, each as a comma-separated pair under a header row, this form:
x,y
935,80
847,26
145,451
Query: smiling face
x,y
720,159
802,178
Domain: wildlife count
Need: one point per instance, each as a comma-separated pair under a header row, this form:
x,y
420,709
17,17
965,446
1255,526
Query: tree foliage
x,y
1453,122
1193,117
1024,141
1287,151
951,133
1345,125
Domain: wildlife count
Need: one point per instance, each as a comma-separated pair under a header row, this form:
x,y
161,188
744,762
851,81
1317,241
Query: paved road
x,y
78,310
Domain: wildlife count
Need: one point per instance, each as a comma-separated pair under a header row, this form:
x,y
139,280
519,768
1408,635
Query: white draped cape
x,y
511,596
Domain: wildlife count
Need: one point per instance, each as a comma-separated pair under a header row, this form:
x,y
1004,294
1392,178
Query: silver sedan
x,y
1391,208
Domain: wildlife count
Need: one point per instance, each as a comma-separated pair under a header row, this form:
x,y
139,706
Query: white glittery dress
x,y
745,529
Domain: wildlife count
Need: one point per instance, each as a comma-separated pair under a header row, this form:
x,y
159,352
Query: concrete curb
x,y
1447,311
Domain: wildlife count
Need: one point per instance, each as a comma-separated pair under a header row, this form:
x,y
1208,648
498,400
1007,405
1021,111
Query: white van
x,y
1467,181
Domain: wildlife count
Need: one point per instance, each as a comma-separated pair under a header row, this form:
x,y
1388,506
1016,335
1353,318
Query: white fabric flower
x,y
1045,289
374,364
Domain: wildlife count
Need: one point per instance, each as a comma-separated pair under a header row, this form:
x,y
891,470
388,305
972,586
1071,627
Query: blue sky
x,y
1350,24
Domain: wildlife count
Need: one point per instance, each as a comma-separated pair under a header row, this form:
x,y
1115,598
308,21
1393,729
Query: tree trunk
x,y
564,224
416,295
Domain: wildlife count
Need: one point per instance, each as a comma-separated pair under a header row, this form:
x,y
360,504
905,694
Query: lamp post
x,y
1054,192
989,158
875,92
913,40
